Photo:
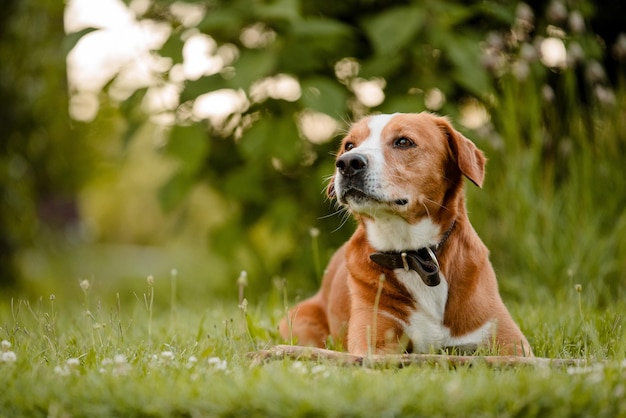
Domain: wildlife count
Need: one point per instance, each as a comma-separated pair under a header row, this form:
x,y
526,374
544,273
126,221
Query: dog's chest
x,y
425,326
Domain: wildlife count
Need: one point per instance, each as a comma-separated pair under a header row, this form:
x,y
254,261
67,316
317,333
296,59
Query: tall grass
x,y
198,365
552,211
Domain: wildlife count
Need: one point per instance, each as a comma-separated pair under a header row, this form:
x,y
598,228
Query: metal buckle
x,y
433,257
404,262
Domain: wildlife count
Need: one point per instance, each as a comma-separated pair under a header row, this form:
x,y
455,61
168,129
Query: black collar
x,y
423,261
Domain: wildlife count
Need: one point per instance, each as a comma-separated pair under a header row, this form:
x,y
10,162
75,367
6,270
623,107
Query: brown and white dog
x,y
401,176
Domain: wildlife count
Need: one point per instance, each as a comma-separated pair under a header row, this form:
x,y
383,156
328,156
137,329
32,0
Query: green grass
x,y
115,354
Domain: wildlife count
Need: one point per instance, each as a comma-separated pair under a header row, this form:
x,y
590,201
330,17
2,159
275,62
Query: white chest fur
x,y
425,325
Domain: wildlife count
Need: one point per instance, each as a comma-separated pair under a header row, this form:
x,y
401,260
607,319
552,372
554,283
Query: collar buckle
x,y
405,263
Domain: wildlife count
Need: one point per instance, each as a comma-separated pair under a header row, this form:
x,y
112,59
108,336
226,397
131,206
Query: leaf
x,y
190,144
222,23
251,66
324,95
272,138
174,191
286,10
394,29
203,85
321,27
72,39
464,53
133,114
173,48
382,65
404,104
314,44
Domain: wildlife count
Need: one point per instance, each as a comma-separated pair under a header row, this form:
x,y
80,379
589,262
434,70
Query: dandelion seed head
x,y
579,288
150,280
5,345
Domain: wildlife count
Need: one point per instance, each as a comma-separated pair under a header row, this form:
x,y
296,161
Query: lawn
x,y
142,352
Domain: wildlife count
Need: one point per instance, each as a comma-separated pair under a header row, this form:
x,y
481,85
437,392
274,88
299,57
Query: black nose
x,y
350,165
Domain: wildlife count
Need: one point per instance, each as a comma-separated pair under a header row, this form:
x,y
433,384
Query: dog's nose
x,y
350,165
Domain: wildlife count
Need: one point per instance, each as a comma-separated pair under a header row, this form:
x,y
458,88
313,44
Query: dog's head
x,y
405,165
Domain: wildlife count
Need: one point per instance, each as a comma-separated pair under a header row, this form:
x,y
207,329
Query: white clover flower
x,y
217,363
120,359
320,368
5,345
8,357
299,367
84,284
72,362
167,355
191,361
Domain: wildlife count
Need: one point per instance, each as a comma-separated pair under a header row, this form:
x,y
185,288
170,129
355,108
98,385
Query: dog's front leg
x,y
372,330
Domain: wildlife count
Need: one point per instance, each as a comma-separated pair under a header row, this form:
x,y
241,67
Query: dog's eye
x,y
348,146
403,142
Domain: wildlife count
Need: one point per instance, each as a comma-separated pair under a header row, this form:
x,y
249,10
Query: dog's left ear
x,y
469,158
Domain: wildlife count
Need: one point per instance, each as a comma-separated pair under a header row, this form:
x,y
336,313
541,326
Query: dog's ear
x,y
470,160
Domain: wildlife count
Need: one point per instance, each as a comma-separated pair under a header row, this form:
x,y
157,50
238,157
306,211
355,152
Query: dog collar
x,y
423,261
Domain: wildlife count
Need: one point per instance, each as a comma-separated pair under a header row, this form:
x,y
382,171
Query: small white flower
x,y
299,367
84,284
72,362
242,280
5,345
167,355
318,369
62,371
191,361
119,359
8,357
217,363
150,280
107,362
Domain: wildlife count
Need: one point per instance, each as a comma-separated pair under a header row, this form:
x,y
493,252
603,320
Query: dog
x,y
414,276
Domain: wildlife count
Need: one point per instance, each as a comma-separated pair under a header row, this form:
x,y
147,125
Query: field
x,y
143,352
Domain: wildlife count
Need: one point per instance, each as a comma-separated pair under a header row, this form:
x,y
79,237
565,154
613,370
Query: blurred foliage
x,y
454,57
42,162
252,178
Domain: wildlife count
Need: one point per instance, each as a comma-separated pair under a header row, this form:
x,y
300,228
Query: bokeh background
x,y
195,138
